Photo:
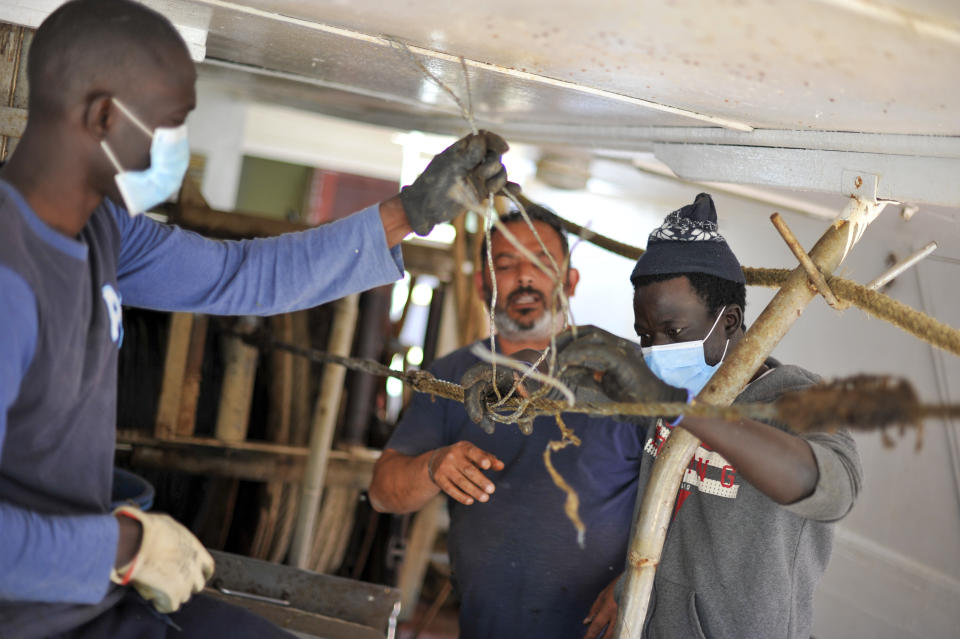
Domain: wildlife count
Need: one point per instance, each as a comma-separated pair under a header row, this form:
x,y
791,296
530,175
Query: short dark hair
x,y
716,292
92,45
537,213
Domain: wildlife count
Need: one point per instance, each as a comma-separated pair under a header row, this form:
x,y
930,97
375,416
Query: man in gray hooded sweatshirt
x,y
752,528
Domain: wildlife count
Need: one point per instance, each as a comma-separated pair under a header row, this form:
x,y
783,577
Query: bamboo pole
x,y
236,394
321,435
653,517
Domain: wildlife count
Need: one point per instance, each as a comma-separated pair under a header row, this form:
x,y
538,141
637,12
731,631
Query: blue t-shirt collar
x,y
74,248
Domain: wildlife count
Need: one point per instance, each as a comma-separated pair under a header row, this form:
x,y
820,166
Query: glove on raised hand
x,y
478,388
624,375
472,165
171,565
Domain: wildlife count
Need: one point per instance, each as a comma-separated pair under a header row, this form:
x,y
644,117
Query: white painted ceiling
x,y
852,65
858,85
835,77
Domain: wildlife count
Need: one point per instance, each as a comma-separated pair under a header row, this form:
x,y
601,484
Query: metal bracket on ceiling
x,y
879,176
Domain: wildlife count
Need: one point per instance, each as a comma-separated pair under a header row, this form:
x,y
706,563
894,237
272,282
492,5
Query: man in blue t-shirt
x,y
111,85
517,565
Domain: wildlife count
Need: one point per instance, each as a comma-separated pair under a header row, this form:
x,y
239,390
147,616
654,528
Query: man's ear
x,y
98,115
732,320
573,278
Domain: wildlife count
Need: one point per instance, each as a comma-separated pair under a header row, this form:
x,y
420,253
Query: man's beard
x,y
547,324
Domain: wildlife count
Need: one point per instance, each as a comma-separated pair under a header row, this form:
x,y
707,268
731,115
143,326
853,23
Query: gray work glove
x,y
478,389
470,167
616,366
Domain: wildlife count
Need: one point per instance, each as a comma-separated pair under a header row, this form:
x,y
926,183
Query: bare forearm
x,y
394,219
776,463
401,483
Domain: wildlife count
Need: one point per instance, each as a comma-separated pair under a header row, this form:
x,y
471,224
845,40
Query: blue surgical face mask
x,y
683,364
169,158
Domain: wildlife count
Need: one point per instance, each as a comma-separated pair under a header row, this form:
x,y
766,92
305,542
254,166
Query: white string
x,y
464,111
459,193
488,223
535,365
466,81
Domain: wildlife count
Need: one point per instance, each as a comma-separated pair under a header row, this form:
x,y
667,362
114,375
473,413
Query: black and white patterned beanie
x,y
688,242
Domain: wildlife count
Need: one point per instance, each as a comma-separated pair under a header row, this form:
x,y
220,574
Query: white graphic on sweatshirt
x,y
111,298
723,485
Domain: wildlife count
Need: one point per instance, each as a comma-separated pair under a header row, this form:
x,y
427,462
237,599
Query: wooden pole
x,y
324,424
278,430
14,46
192,376
236,394
174,371
650,527
461,283
416,557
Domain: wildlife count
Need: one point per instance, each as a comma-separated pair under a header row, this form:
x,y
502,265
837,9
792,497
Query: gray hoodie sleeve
x,y
839,480
838,462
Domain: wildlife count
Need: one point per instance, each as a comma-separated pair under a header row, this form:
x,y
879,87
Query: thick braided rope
x,y
876,304
529,408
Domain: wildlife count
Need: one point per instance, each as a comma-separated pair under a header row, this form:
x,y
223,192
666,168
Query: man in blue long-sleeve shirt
x,y
111,86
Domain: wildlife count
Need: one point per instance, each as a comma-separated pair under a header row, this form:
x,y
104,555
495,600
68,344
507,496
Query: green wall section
x,y
271,188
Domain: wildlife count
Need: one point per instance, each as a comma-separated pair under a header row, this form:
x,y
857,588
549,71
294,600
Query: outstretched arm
x,y
404,483
778,464
816,475
166,268
401,483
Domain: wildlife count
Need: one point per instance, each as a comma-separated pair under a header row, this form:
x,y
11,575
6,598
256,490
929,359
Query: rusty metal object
x,y
650,527
816,277
352,608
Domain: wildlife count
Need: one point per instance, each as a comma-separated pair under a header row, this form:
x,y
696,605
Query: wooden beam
x,y
461,282
192,375
14,46
253,461
325,415
174,369
416,557
236,394
12,121
271,496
